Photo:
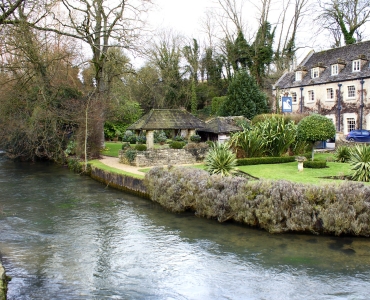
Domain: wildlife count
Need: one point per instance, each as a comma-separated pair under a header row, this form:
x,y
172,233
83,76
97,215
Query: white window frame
x,y
351,124
330,94
311,96
351,92
315,72
294,97
334,69
298,76
356,65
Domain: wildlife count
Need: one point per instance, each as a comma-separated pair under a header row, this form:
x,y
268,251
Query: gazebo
x,y
179,121
220,128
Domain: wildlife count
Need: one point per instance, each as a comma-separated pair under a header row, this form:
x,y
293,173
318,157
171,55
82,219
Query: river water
x,y
64,236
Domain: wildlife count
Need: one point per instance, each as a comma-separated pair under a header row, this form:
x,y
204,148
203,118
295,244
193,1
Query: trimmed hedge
x,y
140,147
316,164
177,145
277,206
264,160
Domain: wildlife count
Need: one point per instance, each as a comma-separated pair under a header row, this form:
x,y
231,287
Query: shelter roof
x,y
158,119
222,125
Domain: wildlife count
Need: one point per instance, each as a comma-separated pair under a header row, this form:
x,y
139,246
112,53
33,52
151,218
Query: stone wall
x,y
163,157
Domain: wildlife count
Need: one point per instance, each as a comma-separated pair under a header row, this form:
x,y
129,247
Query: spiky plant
x,y
342,154
360,163
221,160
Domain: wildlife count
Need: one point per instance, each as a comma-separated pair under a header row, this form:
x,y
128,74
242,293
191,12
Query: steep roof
x,y
158,119
222,125
324,59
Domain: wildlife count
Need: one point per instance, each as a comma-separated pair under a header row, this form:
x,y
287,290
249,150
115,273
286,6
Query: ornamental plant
x,y
315,128
221,160
360,163
342,154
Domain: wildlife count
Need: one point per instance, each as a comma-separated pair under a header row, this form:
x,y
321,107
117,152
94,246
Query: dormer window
x,y
356,65
298,76
314,72
334,69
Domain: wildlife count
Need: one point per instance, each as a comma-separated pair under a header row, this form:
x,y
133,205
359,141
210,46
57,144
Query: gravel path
x,y
114,163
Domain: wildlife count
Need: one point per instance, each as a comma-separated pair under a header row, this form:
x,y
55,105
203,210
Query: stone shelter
x,y
219,129
180,121
333,83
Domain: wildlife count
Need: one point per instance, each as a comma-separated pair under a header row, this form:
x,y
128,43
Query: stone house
x,y
333,83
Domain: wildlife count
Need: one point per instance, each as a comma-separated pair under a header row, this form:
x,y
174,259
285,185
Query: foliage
x,y
177,145
244,97
113,129
342,154
360,163
129,137
248,142
216,105
194,100
195,138
160,137
179,138
315,128
75,165
71,148
264,160
126,146
221,160
315,164
141,139
277,206
140,147
130,155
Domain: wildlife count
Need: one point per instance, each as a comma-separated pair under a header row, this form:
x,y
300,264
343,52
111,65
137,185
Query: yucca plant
x,y
249,141
221,160
360,163
342,154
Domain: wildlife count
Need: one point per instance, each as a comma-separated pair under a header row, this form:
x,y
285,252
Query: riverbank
x,y
3,282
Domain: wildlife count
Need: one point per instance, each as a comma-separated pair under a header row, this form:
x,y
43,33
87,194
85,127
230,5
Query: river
x,y
65,236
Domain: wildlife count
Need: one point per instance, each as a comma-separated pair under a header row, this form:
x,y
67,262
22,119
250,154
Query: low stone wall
x,y
120,181
162,157
3,282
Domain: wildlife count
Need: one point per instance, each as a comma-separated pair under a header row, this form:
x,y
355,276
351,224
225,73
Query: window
x,y
294,97
334,69
356,65
314,72
311,96
298,75
351,124
351,91
329,94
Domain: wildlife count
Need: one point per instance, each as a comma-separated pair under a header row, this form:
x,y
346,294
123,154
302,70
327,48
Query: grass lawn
x,y
112,148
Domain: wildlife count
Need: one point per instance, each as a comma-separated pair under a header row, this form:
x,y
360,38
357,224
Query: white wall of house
x,y
324,97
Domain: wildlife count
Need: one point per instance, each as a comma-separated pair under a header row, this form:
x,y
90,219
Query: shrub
x,y
221,160
75,165
264,160
315,164
177,145
126,146
195,138
160,137
141,139
129,137
179,138
360,162
342,154
130,155
140,147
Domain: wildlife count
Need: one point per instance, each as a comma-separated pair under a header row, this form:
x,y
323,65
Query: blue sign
x,y
287,104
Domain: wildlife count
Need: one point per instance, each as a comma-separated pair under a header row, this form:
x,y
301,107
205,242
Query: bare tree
x,y
347,15
7,8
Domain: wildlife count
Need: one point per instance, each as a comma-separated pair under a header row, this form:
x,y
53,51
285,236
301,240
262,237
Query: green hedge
x,y
316,164
140,147
264,160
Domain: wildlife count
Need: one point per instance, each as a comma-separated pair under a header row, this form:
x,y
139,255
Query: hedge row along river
x,y
65,236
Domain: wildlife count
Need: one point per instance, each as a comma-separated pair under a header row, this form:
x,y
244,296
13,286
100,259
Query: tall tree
x,y
347,15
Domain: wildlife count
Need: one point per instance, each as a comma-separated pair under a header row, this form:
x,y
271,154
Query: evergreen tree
x,y
244,97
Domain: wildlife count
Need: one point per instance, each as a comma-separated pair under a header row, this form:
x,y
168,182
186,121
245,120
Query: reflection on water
x,y
63,236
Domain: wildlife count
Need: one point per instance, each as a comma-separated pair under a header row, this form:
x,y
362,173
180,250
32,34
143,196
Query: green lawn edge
x,y
98,164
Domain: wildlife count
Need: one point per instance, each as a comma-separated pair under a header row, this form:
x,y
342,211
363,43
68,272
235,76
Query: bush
x,y
160,137
141,139
126,146
75,165
195,138
140,147
129,137
277,206
177,145
342,154
221,160
179,138
130,155
360,163
264,160
315,164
